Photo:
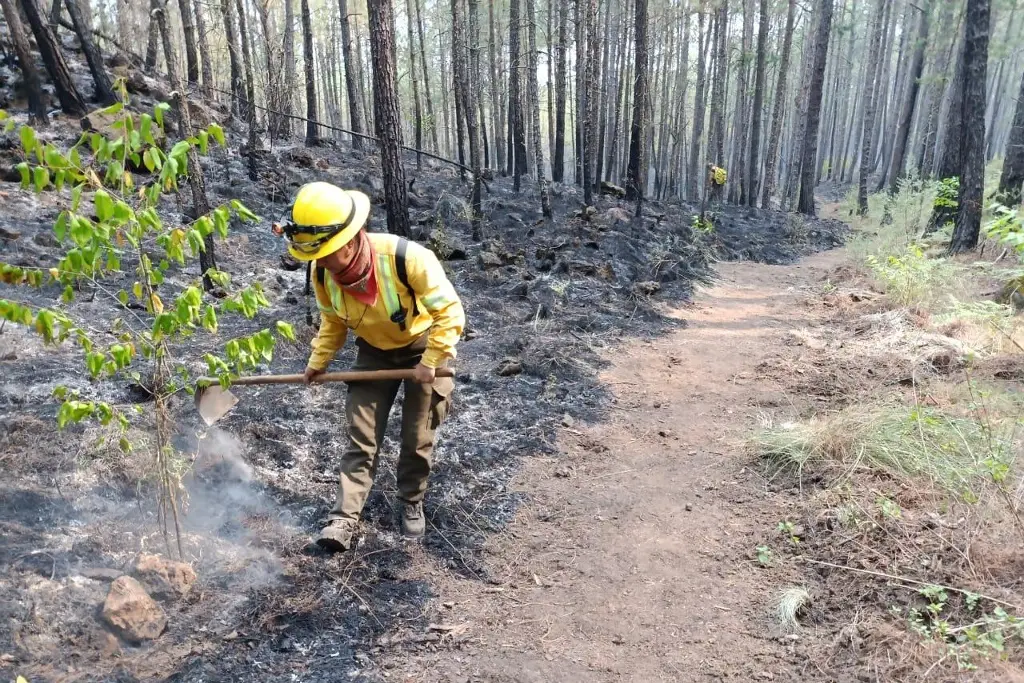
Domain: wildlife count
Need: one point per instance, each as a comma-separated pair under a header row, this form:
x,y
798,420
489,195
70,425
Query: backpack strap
x,y
306,292
403,275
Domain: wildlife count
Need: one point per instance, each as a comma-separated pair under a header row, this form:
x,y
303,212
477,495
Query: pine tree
x,y
27,64
808,167
71,101
636,166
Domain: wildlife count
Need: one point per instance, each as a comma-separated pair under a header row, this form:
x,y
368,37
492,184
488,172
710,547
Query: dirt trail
x,y
633,560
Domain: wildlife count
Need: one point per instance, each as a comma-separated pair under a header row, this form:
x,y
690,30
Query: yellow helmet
x,y
324,219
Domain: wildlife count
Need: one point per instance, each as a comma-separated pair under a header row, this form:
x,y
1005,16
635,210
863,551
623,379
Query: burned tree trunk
x,y
312,134
250,86
772,152
432,122
387,115
351,78
635,169
417,110
464,92
693,174
287,94
1012,176
808,167
26,61
71,100
972,133
189,29
558,154
517,124
101,80
497,125
538,147
754,170
204,50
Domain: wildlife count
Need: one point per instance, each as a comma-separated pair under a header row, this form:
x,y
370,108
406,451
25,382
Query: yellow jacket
x,y
440,310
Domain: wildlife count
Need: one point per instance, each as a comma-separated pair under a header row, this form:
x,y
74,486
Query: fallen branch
x,y
904,579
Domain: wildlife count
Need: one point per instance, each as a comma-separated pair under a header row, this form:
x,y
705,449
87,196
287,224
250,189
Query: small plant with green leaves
x,y
704,225
116,246
765,556
1006,227
910,277
788,529
947,194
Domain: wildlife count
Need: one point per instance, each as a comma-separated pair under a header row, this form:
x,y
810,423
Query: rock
x,y
689,507
567,420
375,183
322,164
300,157
45,239
9,234
520,290
288,262
509,367
646,288
613,190
164,578
488,260
582,267
618,215
130,611
447,247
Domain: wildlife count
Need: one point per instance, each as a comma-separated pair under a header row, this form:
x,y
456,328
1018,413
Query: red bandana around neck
x,y
359,280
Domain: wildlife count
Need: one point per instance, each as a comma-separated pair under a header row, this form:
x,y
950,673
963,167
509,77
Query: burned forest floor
x,y
611,499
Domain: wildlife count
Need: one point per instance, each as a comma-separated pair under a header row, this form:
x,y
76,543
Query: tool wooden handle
x,y
349,376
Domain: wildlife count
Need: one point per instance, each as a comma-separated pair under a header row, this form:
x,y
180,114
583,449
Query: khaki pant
x,y
367,408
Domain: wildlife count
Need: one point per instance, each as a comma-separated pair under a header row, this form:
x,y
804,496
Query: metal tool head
x,y
214,402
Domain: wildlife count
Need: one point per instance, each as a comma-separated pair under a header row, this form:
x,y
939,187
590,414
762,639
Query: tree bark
x,y
250,86
189,29
239,102
204,51
808,168
870,88
416,108
387,115
71,100
972,133
589,129
426,78
754,170
737,189
312,135
517,124
27,63
558,154
718,91
351,77
635,169
152,42
497,125
774,137
288,89
104,88
1012,176
538,147
465,92
899,150
693,184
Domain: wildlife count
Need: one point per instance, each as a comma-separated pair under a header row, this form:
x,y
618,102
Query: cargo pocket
x,y
440,400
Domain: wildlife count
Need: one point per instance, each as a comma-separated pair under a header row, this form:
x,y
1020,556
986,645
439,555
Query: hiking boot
x,y
414,524
336,537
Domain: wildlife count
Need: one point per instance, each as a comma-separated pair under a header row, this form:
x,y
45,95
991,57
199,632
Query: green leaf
x,y
285,330
60,228
115,108
125,445
244,213
158,112
221,220
23,169
94,362
60,392
28,140
104,205
146,128
76,196
204,141
218,134
44,325
76,158
9,126
210,319
122,296
81,231
180,149
113,260
40,178
96,142
59,178
68,295
148,161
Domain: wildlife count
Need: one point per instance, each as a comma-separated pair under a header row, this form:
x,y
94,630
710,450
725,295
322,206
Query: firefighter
x,y
394,296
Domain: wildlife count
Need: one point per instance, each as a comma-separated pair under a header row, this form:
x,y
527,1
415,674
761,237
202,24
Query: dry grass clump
x,y
955,453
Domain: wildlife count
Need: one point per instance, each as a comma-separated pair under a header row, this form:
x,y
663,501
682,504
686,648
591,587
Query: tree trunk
x,y
718,93
465,92
204,51
152,43
737,189
517,124
351,78
589,129
71,100
387,116
602,97
950,155
778,110
936,89
635,169
287,90
273,92
104,89
426,78
754,170
870,89
899,149
558,154
239,102
972,133
1012,176
27,63
497,125
416,108
693,184
250,85
808,168
531,81
312,135
189,29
